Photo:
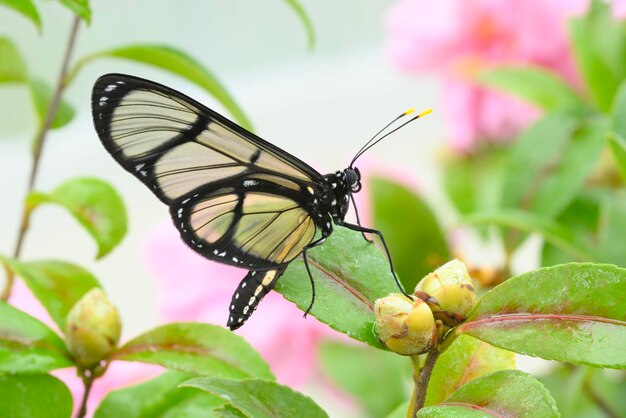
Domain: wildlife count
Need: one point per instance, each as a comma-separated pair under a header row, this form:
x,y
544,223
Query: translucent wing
x,y
234,197
175,145
251,223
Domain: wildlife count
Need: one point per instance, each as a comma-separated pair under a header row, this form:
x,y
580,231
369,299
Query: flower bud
x,y
404,326
451,286
92,329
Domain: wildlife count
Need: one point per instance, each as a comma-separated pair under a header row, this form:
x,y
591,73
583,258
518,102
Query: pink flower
x,y
193,288
457,39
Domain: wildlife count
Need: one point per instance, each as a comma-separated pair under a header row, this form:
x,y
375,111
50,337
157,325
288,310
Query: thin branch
x,y
88,383
38,148
421,384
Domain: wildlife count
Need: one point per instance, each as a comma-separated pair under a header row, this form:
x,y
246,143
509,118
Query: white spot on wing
x,y
250,183
139,166
110,88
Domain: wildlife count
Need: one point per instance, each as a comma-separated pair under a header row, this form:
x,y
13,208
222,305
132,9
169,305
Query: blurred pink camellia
x,y
192,288
457,39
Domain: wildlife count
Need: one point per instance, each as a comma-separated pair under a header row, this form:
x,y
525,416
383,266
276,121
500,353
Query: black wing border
x,y
102,121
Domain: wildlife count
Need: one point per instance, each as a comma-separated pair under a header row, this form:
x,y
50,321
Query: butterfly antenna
x,y
376,140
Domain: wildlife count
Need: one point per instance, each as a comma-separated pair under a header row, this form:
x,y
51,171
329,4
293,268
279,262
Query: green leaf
x,y
581,220
533,155
465,360
41,93
535,85
196,348
27,345
80,8
306,21
572,388
599,48
618,148
26,8
551,231
507,393
177,62
375,377
160,397
95,204
12,65
577,161
259,398
597,219
228,411
350,274
36,396
400,411
617,139
549,163
611,245
572,313
474,182
411,230
56,284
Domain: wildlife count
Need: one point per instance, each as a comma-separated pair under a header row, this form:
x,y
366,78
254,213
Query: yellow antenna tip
x,y
408,111
425,112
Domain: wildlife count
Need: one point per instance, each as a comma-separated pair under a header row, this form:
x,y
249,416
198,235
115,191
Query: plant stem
x,y
87,382
38,148
416,367
421,378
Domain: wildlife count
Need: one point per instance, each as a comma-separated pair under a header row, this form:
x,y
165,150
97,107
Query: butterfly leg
x,y
382,239
249,293
358,220
308,270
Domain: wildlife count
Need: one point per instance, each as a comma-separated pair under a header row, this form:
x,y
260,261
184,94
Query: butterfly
x,y
234,197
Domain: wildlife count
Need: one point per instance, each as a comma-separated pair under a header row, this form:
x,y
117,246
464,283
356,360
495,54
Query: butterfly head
x,y
352,178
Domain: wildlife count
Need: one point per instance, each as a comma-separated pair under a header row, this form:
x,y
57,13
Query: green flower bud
x,y
451,286
404,326
92,329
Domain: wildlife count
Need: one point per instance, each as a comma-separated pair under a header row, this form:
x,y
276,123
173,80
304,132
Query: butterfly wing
x,y
234,197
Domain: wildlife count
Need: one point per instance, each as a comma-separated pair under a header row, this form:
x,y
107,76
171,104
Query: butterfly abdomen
x,y
249,293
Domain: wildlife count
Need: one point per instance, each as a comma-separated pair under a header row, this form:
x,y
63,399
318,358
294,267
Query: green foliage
x,y
26,8
160,397
56,284
34,396
12,65
80,8
508,393
41,93
306,21
550,162
584,392
27,345
599,48
411,230
465,360
95,204
572,313
259,398
617,138
176,62
536,85
374,377
474,182
554,233
346,287
196,348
